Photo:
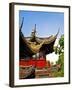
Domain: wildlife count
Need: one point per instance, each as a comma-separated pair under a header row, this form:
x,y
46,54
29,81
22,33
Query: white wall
x,y
4,44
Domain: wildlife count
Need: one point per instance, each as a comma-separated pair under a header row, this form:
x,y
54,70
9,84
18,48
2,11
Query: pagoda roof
x,y
35,46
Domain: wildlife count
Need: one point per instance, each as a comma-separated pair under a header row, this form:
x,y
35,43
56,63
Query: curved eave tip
x,y
58,32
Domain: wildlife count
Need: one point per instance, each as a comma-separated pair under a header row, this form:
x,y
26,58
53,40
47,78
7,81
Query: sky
x,y
47,23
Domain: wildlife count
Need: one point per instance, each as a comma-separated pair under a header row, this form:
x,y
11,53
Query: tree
x,y
56,49
59,49
61,42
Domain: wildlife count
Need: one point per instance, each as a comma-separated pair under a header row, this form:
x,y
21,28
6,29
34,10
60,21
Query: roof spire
x,y
35,29
33,34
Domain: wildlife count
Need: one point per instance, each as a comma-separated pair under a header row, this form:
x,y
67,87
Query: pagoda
x,y
35,46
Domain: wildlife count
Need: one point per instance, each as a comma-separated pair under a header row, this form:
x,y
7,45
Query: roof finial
x,y
33,34
34,30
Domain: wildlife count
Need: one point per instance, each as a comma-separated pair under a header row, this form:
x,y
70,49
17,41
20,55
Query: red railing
x,y
41,63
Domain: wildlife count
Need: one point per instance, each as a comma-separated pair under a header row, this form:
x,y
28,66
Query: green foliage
x,y
61,42
60,72
58,49
61,61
